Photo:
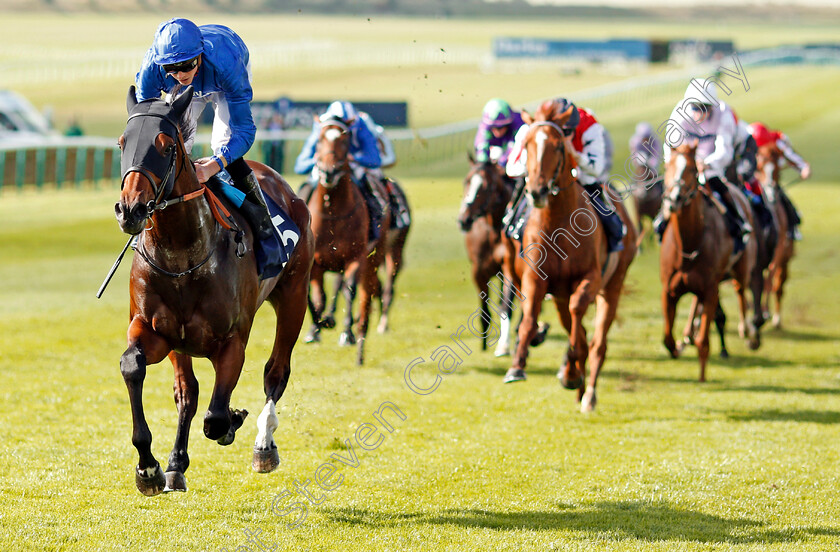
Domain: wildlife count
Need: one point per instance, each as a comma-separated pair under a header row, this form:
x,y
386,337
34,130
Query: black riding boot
x,y
306,190
254,207
516,195
736,222
376,207
794,220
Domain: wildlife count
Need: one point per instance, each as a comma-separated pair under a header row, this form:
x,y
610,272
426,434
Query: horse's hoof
x,y
346,339
777,322
150,481
237,418
502,351
265,461
175,481
569,383
724,354
515,374
328,322
383,326
312,337
587,403
542,331
754,343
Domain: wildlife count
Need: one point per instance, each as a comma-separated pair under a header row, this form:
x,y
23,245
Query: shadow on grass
x,y
775,415
614,520
794,335
780,389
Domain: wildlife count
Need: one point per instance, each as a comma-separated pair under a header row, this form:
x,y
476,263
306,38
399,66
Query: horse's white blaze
x,y
475,183
332,134
681,163
540,137
266,424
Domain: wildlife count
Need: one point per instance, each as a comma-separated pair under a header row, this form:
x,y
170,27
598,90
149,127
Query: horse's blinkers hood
x,y
146,120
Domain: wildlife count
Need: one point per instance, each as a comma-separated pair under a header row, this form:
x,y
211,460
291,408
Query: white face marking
x,y
266,424
475,184
681,163
540,137
332,134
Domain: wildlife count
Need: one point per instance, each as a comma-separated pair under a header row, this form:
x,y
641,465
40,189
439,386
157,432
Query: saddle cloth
x,y
272,254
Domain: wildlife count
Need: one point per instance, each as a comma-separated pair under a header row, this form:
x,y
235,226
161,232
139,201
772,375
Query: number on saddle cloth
x,y
272,254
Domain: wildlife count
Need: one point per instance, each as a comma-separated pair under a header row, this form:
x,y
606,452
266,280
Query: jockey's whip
x,y
113,268
796,180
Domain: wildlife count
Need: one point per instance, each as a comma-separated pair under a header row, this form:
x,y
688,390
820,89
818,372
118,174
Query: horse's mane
x,y
187,127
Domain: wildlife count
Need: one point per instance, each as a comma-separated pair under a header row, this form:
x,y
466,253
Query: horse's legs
x,y
328,319
289,309
720,324
669,310
702,339
746,329
317,299
567,368
485,311
144,348
393,265
578,346
371,287
505,313
351,282
186,400
690,325
779,279
533,289
220,422
606,308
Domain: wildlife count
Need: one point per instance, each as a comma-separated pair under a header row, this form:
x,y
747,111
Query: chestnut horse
x,y
194,293
769,160
340,225
480,218
696,254
575,279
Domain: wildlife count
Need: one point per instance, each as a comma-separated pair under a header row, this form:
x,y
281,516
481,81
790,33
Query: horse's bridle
x,y
489,201
553,189
332,176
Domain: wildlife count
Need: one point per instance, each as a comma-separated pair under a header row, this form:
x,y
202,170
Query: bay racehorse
x,y
647,197
544,262
194,292
480,217
769,160
394,251
340,224
696,255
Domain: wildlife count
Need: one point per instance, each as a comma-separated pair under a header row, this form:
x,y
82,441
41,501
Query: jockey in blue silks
x,y
215,61
365,159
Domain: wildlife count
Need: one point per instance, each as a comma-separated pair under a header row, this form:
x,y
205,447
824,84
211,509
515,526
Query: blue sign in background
x,y
509,47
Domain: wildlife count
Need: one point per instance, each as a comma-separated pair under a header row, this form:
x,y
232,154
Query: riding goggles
x,y
183,67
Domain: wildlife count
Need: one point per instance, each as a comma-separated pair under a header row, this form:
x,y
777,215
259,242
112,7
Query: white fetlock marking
x,y
267,422
503,347
148,472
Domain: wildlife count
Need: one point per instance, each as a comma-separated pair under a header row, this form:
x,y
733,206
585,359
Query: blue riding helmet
x,y
343,111
562,105
497,113
176,41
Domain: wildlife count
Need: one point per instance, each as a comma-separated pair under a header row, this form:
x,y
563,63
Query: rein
x,y
151,263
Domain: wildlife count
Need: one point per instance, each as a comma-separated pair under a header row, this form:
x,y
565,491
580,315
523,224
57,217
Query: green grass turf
x,y
746,461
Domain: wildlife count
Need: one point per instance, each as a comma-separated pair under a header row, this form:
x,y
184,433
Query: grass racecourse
x,y
746,462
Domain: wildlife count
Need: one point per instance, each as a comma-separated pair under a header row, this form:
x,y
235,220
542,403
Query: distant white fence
x,y
77,160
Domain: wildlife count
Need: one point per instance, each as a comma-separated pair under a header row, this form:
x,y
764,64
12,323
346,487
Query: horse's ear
x,y
563,118
131,99
182,101
527,118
